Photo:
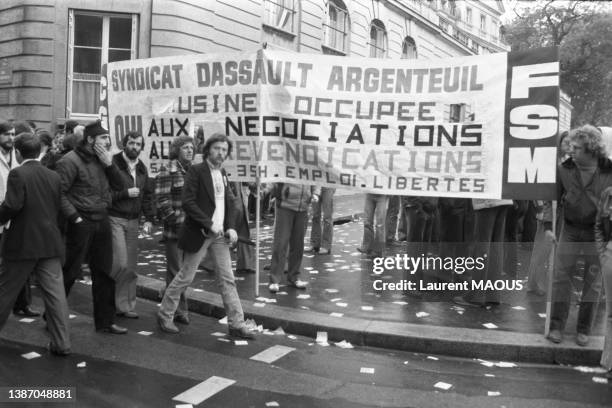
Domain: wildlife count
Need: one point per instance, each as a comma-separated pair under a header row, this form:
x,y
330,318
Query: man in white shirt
x,y
210,208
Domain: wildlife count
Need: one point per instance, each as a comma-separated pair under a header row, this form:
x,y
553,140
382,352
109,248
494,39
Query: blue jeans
x,y
174,256
220,252
573,242
325,205
374,224
125,255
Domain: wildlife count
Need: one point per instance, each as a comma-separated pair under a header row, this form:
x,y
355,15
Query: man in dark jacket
x,y
210,208
86,196
581,180
133,198
33,243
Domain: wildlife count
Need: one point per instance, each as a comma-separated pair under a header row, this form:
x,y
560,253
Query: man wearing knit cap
x,y
86,174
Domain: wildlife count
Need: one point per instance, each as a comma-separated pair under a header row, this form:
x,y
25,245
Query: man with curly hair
x,y
581,180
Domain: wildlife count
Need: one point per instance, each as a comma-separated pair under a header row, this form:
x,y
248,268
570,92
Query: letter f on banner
x,y
531,125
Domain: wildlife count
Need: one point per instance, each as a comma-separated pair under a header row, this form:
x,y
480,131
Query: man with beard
x,y
211,212
86,196
133,198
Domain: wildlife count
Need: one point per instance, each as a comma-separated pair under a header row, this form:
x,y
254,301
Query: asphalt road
x,y
140,370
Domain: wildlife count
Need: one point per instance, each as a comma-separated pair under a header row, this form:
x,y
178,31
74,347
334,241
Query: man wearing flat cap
x,y
87,173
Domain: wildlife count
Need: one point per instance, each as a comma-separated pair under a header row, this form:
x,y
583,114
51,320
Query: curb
x,y
460,342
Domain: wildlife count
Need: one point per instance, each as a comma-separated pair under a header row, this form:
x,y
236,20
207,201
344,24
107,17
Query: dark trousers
x,y
91,242
512,230
13,275
455,234
24,299
489,225
420,224
573,242
289,231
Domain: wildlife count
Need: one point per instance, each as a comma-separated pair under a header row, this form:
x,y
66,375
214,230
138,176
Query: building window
x,y
378,40
93,40
457,113
409,50
336,27
483,23
280,14
468,16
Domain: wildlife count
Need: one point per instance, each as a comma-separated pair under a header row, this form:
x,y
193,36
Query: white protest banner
x,y
476,126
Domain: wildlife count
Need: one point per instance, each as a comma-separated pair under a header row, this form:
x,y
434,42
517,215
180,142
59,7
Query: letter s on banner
x,y
531,125
103,110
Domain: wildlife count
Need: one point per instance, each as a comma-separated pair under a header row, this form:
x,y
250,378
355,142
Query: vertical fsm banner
x,y
476,126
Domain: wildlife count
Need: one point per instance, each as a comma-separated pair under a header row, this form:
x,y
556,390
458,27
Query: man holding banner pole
x,y
582,179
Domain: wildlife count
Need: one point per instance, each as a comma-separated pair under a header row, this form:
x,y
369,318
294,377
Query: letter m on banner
x,y
531,125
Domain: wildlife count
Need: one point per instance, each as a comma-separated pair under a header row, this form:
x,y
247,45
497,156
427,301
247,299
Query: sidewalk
x,y
342,301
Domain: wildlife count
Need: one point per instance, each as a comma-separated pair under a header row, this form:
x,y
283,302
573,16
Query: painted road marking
x,y
204,390
272,354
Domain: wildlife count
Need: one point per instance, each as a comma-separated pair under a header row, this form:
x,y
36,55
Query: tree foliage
x,y
583,32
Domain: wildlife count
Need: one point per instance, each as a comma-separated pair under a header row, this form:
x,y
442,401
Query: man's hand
x,y
78,220
315,198
147,227
105,157
550,237
217,231
133,192
232,236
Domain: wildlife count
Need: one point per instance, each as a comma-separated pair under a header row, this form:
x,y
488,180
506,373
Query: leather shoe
x,y
167,326
27,311
181,318
129,314
582,339
58,352
462,301
243,332
311,249
555,336
114,329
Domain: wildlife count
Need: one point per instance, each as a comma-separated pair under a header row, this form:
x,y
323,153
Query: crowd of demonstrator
x,y
99,201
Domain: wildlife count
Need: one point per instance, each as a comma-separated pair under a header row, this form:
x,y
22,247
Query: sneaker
x,y
324,251
311,249
274,287
555,336
582,339
299,284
